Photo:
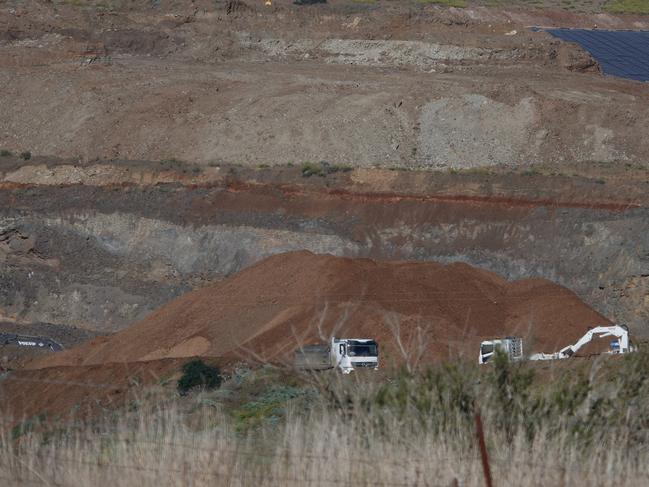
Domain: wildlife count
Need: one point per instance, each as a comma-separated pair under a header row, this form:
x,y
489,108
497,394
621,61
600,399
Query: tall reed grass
x,y
405,429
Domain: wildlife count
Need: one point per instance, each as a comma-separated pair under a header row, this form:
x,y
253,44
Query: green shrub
x,y
26,155
310,169
5,153
198,374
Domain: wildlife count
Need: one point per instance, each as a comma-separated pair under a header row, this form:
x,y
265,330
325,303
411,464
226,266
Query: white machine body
x,y
619,345
512,346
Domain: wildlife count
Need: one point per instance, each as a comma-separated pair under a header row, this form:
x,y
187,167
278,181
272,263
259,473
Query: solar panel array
x,y
620,53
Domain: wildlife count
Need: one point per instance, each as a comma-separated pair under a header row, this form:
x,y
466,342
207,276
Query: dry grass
x,y
410,429
323,449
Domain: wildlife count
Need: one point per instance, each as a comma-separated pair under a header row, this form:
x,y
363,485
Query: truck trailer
x,y
345,354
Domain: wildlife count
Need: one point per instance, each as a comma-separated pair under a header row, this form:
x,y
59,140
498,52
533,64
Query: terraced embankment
x,y
386,84
103,254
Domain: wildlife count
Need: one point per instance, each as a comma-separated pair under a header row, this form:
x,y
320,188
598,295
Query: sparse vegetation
x,y
5,153
585,426
322,169
26,426
627,6
269,407
447,3
478,170
26,155
308,2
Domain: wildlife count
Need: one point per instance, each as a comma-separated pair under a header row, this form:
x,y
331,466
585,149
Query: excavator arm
x,y
617,331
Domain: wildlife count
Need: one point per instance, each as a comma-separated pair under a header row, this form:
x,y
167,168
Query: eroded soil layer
x,y
102,256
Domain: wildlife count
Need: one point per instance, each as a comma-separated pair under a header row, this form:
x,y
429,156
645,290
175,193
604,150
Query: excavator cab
x,y
511,346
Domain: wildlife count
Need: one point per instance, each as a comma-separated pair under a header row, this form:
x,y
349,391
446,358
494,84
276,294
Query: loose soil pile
x,y
414,310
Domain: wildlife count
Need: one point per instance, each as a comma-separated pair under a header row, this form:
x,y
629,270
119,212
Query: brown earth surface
x,y
101,237
270,308
384,83
73,393
103,254
419,312
118,91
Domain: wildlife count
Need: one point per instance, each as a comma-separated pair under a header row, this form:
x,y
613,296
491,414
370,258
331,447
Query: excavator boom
x,y
618,331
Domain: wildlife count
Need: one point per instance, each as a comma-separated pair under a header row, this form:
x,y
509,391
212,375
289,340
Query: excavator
x,y
619,345
513,346
29,341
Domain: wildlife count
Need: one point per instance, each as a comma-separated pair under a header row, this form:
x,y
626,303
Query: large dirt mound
x,y
429,309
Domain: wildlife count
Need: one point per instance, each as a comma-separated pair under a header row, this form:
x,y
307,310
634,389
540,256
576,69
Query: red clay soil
x,y
73,393
266,310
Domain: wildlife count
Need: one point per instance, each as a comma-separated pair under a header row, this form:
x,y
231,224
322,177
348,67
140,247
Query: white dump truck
x,y
346,354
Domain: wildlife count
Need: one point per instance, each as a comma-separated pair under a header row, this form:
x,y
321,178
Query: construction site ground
x,y
154,149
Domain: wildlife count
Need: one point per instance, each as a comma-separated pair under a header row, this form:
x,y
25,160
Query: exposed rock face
x,y
474,131
100,239
102,257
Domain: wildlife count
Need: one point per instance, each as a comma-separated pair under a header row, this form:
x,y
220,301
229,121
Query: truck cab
x,y
353,353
